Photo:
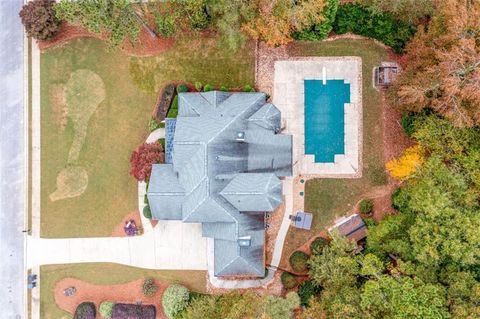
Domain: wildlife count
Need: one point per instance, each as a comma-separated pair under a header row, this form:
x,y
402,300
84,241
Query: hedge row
x,y
384,27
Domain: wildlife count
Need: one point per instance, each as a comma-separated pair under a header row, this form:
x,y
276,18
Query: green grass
x,y
107,274
118,125
327,198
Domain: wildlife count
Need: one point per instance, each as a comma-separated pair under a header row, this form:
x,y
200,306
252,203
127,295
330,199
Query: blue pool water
x,y
324,118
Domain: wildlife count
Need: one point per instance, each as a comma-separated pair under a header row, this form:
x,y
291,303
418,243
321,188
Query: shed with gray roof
x,y
227,157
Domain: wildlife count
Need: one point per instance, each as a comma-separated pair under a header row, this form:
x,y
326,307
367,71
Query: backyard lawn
x,y
327,198
107,274
95,106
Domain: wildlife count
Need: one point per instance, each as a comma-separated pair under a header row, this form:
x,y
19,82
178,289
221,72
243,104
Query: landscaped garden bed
x,y
99,282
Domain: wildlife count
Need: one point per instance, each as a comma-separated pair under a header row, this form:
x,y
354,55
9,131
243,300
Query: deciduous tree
x,y
405,10
335,267
442,65
389,297
407,164
277,20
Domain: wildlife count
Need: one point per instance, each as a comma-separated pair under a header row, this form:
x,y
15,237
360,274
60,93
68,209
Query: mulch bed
x,y
118,231
123,293
146,45
274,287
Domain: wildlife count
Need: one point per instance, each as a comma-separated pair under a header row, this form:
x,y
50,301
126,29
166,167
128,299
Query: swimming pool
x,y
325,118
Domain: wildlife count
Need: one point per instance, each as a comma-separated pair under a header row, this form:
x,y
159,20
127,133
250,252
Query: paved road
x,y
12,161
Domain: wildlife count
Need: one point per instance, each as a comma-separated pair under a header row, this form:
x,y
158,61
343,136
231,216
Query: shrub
x,y
115,19
182,88
248,88
198,86
173,110
143,158
39,19
85,310
153,124
316,247
408,123
358,19
149,288
289,280
366,206
320,31
129,311
298,261
207,88
147,212
223,88
307,290
175,299
370,222
106,309
166,24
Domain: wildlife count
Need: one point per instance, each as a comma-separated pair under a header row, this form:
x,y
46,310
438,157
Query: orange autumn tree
x,y
278,19
403,167
442,65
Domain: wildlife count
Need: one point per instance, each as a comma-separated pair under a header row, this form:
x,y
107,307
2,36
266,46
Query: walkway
x,y
13,160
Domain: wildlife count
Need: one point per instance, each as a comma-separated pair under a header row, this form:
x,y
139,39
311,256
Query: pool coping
x,y
288,96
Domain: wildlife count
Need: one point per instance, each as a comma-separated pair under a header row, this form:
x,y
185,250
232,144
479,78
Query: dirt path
x,y
125,293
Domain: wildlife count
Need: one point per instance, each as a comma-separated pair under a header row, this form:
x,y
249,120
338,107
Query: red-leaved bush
x,y
143,158
39,19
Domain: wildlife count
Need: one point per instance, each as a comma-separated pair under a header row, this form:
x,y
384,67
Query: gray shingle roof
x,y
220,180
254,192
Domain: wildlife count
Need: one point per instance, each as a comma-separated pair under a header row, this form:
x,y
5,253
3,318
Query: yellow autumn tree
x,y
403,167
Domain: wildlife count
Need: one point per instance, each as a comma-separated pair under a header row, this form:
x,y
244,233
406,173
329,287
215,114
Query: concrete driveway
x,y
171,245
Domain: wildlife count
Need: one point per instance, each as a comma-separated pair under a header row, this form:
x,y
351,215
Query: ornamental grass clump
x,y
106,309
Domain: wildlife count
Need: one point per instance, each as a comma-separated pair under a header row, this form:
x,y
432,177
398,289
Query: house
x,y
351,227
227,155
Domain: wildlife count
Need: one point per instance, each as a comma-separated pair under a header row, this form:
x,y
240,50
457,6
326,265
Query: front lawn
x,y
115,103
327,198
107,274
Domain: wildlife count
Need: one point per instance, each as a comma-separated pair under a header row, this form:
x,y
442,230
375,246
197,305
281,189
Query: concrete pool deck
x,y
288,96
